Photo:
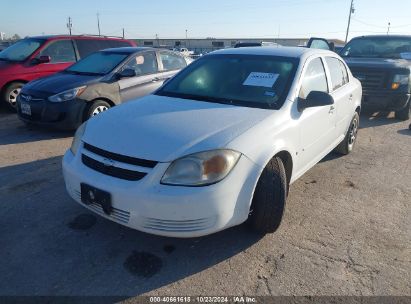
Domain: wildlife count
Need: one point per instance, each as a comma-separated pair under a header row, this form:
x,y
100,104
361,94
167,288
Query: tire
x,y
10,95
269,199
347,145
405,113
96,108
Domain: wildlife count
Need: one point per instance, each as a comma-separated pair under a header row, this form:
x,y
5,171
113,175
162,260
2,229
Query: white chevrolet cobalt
x,y
217,145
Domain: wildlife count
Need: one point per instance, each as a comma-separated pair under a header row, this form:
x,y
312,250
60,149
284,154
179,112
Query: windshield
x,y
100,63
21,50
243,80
379,47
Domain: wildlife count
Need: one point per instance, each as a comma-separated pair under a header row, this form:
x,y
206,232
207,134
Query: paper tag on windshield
x,y
406,56
257,79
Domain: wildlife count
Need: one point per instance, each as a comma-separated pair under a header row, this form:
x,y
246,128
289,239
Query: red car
x,y
36,57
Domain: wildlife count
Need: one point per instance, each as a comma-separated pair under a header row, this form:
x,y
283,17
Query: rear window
x,y
243,80
87,46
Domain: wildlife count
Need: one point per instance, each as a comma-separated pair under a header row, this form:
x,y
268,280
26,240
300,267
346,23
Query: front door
x,y
317,125
147,79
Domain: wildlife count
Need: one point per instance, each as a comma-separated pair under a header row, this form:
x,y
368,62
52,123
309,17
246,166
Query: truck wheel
x,y
347,145
405,113
96,108
267,207
10,95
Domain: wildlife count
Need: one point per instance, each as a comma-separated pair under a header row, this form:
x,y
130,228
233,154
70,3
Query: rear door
x,y
342,92
147,79
62,55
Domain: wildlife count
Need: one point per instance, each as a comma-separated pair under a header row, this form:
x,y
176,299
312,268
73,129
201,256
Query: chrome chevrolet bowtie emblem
x,y
91,195
108,162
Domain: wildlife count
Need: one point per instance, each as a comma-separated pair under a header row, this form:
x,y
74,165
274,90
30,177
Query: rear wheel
x,y
347,145
269,199
10,94
405,113
96,108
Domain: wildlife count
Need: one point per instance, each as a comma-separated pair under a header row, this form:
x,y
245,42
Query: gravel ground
x,y
347,230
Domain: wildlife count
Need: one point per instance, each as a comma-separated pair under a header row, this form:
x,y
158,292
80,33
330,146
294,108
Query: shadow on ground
x,y
14,131
371,119
50,245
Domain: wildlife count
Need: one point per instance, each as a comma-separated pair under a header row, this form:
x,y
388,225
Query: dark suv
x,y
382,64
36,57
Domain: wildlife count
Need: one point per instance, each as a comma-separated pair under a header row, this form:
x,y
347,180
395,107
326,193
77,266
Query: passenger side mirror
x,y
41,59
320,43
127,73
315,99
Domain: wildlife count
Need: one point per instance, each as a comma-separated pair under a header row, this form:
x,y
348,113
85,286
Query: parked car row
x,y
96,83
36,57
220,139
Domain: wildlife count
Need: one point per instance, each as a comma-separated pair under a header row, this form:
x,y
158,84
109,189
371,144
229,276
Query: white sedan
x,y
218,144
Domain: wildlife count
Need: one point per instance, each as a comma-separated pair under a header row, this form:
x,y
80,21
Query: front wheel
x,y
10,95
269,199
347,145
405,113
96,108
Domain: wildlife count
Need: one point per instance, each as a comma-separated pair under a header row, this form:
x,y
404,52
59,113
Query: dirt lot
x,y
347,230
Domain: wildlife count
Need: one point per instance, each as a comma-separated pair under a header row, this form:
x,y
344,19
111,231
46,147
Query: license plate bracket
x,y
91,195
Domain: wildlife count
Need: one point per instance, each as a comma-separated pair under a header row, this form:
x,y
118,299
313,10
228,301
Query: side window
x,y
314,79
172,61
60,51
319,44
87,46
339,76
144,63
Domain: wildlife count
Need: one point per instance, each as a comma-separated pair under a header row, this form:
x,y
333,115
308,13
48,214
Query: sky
x,y
206,18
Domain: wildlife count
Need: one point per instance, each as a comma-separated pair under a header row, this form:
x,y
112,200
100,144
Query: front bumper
x,y
66,115
383,100
151,207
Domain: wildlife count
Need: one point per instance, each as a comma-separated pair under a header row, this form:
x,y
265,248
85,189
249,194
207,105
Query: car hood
x,y
60,82
379,63
163,128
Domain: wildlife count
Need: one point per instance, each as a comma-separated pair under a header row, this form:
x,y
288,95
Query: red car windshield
x,y
21,50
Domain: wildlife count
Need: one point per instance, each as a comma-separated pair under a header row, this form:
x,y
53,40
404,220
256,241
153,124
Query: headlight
x,y
399,80
201,169
75,145
67,95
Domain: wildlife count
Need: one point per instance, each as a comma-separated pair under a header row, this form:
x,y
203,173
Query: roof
x,y
383,36
127,50
294,52
75,36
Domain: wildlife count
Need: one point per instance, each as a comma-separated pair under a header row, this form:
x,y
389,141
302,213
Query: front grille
x,y
121,158
178,226
370,79
112,170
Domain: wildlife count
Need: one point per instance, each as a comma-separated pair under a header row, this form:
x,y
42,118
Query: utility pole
x,y
389,26
98,24
186,38
123,33
69,25
352,10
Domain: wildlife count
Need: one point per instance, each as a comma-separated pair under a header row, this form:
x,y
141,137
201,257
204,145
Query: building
x,y
206,45
2,35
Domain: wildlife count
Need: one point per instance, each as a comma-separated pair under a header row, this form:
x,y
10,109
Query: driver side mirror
x,y
315,99
127,73
41,59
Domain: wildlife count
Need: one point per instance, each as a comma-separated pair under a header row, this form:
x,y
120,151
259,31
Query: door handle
x,y
155,79
351,97
332,108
